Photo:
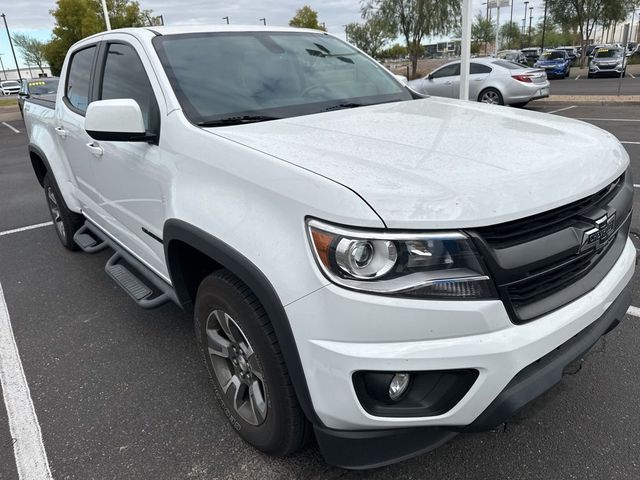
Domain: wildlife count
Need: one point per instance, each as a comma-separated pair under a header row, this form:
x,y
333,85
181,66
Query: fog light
x,y
398,385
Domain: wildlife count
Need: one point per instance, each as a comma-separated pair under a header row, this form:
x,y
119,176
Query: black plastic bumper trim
x,y
542,375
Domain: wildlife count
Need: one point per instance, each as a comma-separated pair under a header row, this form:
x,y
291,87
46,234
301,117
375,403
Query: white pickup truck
x,y
364,265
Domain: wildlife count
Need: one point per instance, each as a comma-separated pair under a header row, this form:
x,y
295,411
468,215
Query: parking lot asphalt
x,y
581,85
120,392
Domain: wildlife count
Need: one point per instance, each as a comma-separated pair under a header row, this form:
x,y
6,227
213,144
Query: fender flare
x,y
43,157
245,270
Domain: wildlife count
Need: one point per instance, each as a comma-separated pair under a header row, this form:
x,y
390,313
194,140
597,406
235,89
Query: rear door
x,y
478,75
69,122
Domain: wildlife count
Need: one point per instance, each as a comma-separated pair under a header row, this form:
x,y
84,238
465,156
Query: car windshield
x,y
508,55
43,87
609,53
552,56
10,83
224,77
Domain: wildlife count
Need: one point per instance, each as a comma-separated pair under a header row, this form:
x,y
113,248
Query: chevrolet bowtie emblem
x,y
597,236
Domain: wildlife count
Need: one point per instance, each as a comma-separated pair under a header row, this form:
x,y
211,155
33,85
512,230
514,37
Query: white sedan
x,y
491,80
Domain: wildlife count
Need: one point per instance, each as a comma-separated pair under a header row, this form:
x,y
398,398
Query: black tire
x,y
494,93
520,105
281,429
64,220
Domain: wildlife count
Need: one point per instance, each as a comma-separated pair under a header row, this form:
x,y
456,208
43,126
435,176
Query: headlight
x,y
418,265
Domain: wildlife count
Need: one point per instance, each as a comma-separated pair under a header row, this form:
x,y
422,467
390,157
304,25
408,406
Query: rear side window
x,y
125,77
79,77
479,68
448,71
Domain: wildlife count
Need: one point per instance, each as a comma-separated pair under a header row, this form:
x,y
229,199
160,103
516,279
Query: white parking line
x,y
610,119
635,185
28,449
563,109
578,77
631,75
11,127
630,143
635,311
22,229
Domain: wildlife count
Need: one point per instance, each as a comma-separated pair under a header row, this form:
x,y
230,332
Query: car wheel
x,y
64,220
245,363
491,96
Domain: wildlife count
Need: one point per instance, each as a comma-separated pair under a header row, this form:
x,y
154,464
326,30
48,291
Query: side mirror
x,y
430,76
118,120
402,79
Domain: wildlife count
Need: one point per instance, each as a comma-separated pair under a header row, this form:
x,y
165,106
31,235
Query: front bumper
x,y
339,332
596,71
559,71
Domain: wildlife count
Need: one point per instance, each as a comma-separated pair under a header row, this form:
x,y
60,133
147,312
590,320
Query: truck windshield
x,y
257,76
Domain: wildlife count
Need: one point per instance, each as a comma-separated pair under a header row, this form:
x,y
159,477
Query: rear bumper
x,y
375,448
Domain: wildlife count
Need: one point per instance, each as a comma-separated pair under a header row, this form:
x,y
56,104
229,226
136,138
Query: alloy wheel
x,y
55,212
490,97
236,368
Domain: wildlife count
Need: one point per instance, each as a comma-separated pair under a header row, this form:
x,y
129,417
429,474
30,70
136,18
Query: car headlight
x,y
434,265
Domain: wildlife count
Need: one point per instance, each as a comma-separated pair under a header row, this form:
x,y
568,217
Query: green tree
x,y
483,31
371,35
306,17
510,35
77,19
416,19
394,51
31,48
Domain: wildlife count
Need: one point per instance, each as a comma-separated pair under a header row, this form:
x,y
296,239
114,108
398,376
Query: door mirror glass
x,y
118,120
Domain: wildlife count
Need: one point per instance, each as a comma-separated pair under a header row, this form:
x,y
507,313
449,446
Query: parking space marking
x,y
578,77
630,143
15,130
563,109
634,311
22,229
28,449
631,75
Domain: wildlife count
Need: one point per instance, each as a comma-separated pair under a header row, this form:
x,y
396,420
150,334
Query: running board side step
x,y
146,288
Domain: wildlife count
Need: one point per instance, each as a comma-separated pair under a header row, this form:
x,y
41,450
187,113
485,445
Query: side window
x,y
78,78
125,77
479,68
448,71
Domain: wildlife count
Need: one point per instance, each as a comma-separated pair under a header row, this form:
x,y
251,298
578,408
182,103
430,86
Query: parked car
x,y
632,48
365,265
532,54
515,56
591,50
555,62
44,89
572,52
491,81
608,61
9,87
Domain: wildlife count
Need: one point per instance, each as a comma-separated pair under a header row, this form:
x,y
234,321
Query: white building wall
x,y
32,72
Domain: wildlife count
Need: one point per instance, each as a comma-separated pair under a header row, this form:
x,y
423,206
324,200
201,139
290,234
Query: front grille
x,y
606,67
544,224
539,263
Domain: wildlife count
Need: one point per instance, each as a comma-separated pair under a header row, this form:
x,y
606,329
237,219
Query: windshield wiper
x,y
342,106
222,122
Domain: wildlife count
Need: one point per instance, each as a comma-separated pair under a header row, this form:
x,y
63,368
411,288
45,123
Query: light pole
x,y
15,59
544,25
227,19
524,25
105,12
530,21
263,20
511,24
2,65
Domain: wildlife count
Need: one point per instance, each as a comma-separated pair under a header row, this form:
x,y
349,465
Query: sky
x,y
32,16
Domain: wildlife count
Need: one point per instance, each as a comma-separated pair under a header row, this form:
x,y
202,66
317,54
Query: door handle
x,y
95,149
61,132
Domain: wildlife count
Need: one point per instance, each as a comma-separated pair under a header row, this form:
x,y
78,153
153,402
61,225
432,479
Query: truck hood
x,y
441,163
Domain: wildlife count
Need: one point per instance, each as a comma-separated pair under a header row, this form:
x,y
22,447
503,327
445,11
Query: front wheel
x,y
247,370
491,96
64,220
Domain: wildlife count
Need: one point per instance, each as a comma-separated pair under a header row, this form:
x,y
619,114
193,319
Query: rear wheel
x,y
247,370
491,96
64,220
